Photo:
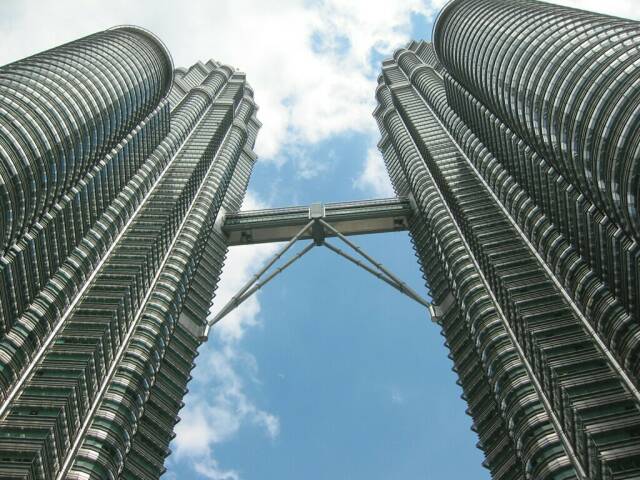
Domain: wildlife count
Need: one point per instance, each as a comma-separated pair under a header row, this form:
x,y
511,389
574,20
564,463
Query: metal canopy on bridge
x,y
350,218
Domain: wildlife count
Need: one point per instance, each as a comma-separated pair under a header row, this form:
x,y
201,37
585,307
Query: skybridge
x,y
318,222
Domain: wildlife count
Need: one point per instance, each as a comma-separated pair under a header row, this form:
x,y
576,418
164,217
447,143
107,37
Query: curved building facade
x,y
516,132
65,109
113,171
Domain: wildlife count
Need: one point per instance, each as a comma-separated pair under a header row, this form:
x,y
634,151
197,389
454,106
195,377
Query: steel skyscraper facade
x,y
113,170
517,134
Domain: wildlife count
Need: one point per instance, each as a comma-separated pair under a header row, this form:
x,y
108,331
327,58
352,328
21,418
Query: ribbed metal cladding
x,y
534,271
63,110
223,185
104,310
565,81
547,106
77,123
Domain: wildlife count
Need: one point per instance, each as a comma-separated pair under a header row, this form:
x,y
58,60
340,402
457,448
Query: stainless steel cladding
x,y
516,132
113,170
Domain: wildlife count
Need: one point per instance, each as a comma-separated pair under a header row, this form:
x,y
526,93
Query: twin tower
x,y
514,138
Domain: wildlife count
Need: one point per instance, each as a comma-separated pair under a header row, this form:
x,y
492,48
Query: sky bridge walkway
x,y
349,218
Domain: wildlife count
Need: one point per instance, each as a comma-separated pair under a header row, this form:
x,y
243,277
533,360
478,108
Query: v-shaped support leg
x,y
320,229
382,273
254,284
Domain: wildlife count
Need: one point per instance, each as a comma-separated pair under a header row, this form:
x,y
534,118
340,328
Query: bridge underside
x,y
317,222
349,218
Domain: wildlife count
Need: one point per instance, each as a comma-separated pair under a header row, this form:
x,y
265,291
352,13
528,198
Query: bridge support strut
x,y
318,229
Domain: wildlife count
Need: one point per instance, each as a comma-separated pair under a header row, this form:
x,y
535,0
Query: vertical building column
x,y
174,316
532,338
488,359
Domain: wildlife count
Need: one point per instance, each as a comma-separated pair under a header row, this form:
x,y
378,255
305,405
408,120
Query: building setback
x,y
517,134
113,169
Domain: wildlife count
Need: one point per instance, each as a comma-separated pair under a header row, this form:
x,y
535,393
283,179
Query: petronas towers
x,y
517,133
113,171
515,137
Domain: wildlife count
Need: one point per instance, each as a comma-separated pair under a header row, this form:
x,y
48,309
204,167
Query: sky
x,y
327,373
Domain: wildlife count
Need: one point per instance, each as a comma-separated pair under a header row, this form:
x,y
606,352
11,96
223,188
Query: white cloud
x,y
310,62
374,177
397,397
241,263
209,468
218,409
307,87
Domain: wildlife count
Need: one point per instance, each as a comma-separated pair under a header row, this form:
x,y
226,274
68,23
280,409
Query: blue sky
x,y
354,374
328,372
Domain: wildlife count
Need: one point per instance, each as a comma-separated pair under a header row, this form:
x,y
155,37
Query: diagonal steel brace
x,y
317,224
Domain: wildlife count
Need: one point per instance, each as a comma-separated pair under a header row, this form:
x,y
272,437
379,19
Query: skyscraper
x,y
517,134
113,170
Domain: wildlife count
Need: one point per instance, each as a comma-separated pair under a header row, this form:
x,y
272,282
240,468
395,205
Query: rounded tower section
x,y
62,110
564,80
